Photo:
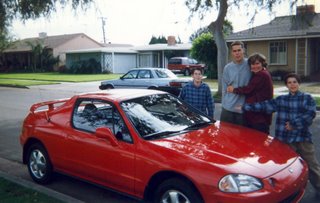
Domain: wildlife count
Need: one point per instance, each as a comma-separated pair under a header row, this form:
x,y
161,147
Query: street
x,y
14,106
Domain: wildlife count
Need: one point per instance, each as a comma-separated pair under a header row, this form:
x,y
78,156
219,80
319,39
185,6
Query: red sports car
x,y
153,146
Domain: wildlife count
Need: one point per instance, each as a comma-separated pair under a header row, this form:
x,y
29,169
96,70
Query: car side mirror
x,y
106,133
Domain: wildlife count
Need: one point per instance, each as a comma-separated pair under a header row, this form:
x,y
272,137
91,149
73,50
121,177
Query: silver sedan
x,y
148,78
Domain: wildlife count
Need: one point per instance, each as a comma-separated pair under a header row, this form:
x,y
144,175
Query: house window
x,y
278,53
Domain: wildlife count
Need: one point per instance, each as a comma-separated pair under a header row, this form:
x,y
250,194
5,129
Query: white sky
x,y
136,21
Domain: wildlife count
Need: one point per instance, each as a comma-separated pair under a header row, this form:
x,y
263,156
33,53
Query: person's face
x,y
292,85
256,66
237,53
197,76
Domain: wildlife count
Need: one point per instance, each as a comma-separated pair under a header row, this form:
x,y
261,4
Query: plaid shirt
x,y
299,109
198,97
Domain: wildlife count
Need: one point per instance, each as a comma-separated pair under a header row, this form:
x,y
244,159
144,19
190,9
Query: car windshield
x,y
165,73
161,115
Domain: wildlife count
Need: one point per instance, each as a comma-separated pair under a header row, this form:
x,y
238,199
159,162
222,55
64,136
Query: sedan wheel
x,y
39,165
174,196
177,191
187,72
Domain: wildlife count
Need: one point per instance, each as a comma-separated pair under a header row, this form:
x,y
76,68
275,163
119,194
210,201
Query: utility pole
x,y
103,31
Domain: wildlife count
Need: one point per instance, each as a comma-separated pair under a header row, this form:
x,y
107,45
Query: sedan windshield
x,y
161,115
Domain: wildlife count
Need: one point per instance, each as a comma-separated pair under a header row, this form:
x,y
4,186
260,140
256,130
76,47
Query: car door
x,y
98,159
144,79
127,80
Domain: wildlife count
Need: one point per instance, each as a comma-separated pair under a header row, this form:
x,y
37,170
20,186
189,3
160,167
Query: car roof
x,y
148,68
119,94
182,57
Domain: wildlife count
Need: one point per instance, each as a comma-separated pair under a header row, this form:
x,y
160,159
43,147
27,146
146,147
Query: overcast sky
x,y
136,21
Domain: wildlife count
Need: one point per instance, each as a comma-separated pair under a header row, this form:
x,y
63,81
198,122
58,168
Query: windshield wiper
x,y
161,134
197,125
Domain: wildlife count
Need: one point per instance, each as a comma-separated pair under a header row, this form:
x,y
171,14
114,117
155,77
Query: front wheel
x,y
39,165
177,190
187,72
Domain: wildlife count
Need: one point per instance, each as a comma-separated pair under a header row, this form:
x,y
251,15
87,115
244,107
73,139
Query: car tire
x,y
187,72
176,190
108,87
39,164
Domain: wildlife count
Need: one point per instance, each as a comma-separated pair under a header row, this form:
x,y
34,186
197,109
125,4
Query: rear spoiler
x,y
50,104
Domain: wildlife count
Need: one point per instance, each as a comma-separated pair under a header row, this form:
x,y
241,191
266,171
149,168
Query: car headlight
x,y
239,183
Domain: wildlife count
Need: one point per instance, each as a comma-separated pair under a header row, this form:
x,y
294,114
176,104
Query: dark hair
x,y
292,75
237,43
258,57
196,68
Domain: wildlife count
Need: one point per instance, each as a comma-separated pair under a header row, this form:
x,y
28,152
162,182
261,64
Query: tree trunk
x,y
217,29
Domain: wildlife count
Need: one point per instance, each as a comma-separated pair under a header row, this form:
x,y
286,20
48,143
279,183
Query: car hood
x,y
235,148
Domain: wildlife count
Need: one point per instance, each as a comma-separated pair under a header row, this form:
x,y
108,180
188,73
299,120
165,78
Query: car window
x,y
131,74
165,73
161,113
174,61
161,74
144,74
89,115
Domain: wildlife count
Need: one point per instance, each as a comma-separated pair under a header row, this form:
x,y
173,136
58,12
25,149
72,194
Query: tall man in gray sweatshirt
x,y
236,73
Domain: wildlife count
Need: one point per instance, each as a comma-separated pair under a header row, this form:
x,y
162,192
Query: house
x,y
291,43
119,58
114,59
19,54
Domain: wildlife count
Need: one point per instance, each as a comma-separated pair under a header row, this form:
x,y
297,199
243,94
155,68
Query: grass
x,y
58,77
12,192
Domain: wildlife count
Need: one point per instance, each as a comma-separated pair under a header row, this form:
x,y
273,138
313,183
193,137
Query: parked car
x,y
151,145
148,78
184,65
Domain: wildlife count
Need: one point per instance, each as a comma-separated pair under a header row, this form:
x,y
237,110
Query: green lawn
x,y
12,192
59,77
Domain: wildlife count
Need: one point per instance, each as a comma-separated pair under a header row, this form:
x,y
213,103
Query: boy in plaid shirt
x,y
295,113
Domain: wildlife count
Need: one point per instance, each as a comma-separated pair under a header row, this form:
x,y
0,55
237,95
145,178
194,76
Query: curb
x,y
34,186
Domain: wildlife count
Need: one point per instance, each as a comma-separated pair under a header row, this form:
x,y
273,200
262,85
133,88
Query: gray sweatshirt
x,y
237,75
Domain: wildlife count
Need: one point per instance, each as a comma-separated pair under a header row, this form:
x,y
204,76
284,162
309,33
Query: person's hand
x,y
238,107
288,126
230,89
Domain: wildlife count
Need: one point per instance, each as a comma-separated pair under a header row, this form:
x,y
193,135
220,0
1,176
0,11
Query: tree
x,y
32,9
159,40
216,27
42,58
227,29
204,49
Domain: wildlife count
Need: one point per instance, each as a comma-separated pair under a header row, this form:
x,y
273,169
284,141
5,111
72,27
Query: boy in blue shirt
x,y
295,113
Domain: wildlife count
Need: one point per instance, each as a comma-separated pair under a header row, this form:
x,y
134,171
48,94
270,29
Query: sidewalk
x,y
18,173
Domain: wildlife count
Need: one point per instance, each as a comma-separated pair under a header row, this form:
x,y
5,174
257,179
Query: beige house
x,y
19,55
291,43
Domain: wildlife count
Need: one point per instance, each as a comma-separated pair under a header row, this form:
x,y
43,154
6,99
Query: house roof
x,y
105,50
48,41
285,27
157,47
149,47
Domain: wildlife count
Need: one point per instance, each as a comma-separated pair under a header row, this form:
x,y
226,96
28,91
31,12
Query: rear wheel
x,y
106,87
39,164
187,72
176,190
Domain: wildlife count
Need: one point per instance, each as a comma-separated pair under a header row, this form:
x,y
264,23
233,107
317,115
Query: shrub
x,y
91,66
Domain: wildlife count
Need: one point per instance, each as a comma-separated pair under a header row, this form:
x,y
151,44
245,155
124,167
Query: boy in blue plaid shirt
x,y
198,94
295,113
